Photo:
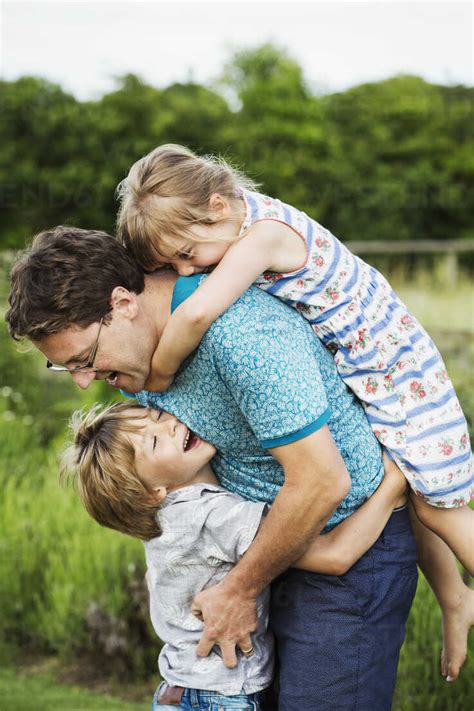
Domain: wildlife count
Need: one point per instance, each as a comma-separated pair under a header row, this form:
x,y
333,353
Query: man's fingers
x,y
205,645
246,646
228,654
227,648
229,620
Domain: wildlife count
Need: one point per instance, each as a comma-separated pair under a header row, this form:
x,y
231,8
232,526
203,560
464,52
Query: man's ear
x,y
219,206
124,302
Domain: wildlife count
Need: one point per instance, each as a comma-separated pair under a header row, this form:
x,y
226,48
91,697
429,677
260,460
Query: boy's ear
x,y
124,302
158,495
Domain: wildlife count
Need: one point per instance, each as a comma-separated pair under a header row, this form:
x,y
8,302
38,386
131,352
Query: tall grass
x,y
420,686
440,308
58,566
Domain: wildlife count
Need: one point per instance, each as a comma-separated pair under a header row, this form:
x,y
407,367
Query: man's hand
x,y
229,618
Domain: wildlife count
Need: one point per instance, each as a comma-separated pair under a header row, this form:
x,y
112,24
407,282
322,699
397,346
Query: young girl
x,y
195,213
146,474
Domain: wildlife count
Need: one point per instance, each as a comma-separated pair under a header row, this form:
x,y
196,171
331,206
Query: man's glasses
x,y
87,367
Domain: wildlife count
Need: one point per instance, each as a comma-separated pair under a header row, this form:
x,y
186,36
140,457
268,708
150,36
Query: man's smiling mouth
x,y
112,378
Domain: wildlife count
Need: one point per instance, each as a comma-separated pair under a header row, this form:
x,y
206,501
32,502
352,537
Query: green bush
x,y
66,585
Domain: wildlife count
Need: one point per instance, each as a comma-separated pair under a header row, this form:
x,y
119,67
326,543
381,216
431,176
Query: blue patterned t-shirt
x,y
259,379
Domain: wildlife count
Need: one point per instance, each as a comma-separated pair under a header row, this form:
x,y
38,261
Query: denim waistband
x,y
194,696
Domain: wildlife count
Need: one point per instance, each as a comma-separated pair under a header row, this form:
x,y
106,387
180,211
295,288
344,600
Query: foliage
x,y
45,408
395,170
278,133
66,585
386,160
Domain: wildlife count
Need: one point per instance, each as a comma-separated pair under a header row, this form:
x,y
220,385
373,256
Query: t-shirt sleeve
x,y
230,527
271,368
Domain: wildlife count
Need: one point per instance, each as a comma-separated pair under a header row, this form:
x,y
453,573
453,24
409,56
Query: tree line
x,y
390,160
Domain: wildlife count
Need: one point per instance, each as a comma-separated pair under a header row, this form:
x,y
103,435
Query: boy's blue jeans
x,y
198,700
339,637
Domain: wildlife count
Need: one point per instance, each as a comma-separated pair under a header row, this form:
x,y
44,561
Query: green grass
x,y
56,562
420,686
19,692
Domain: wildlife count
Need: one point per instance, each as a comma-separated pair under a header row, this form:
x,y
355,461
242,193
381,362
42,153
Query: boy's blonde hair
x,y
167,192
101,465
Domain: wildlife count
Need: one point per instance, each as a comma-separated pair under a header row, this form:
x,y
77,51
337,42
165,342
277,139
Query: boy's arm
x,y
337,551
243,262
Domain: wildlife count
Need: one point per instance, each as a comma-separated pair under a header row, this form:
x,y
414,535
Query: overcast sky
x,y
84,45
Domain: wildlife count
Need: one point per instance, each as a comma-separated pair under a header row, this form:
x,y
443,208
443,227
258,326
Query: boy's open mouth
x,y
191,440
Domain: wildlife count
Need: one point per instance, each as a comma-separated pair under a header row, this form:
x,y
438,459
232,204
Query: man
x,y
266,393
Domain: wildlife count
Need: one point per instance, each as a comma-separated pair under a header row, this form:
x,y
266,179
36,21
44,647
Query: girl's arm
x,y
258,251
335,552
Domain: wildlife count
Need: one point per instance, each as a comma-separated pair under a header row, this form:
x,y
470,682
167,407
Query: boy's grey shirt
x,y
206,530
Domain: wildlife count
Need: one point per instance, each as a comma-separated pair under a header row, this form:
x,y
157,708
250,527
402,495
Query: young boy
x,y
144,473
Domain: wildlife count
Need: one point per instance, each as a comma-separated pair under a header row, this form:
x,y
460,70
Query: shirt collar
x,y
189,493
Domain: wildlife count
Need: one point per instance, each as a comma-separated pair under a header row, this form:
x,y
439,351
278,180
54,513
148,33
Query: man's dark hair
x,y
66,277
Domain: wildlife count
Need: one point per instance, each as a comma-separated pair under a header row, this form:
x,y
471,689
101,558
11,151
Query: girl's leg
x,y
455,526
455,598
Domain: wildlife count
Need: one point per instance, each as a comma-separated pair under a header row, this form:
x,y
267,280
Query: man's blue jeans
x,y
339,638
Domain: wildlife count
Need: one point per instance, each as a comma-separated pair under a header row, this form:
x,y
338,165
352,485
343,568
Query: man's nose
x,y
83,380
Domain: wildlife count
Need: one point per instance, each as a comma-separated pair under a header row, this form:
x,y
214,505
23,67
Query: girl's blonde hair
x,y
101,465
167,192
